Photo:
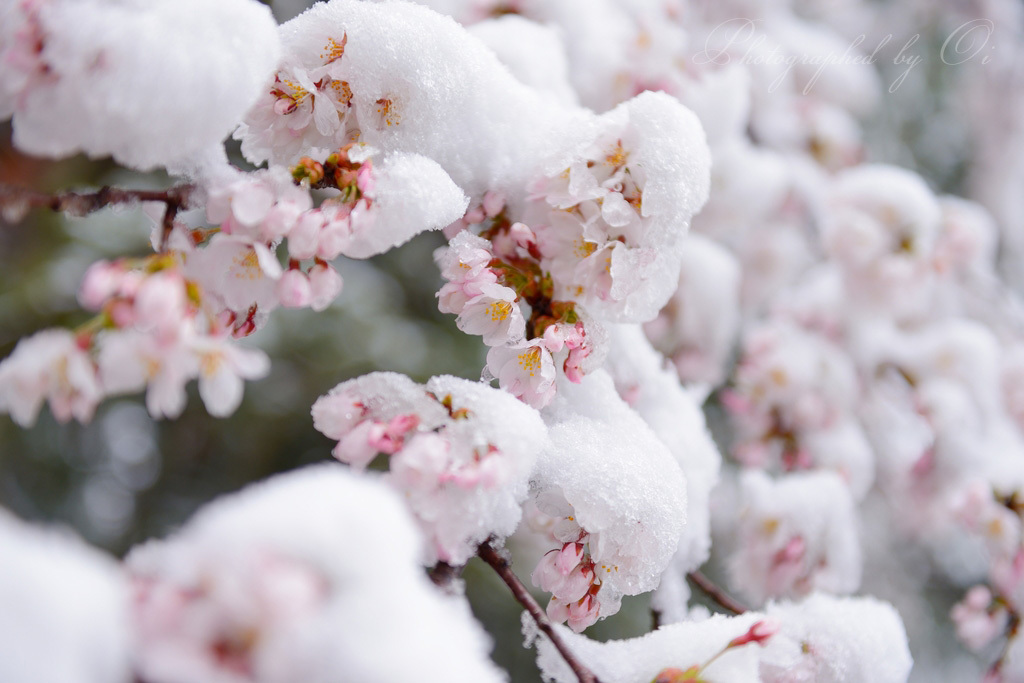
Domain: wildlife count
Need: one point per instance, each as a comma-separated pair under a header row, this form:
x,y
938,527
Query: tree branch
x,y
712,590
501,566
1012,628
17,200
444,574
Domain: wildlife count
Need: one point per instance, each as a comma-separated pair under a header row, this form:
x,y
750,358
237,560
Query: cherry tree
x,y
728,363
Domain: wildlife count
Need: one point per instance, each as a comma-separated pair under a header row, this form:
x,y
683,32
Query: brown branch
x,y
19,200
444,575
712,590
1012,628
501,566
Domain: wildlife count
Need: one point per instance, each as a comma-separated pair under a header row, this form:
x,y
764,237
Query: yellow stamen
x,y
529,361
333,50
499,310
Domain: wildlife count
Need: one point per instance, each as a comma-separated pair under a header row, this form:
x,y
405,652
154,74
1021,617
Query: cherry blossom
x,y
49,366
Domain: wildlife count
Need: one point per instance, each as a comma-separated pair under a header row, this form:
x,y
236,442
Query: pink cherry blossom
x,y
978,622
223,365
50,365
493,314
526,371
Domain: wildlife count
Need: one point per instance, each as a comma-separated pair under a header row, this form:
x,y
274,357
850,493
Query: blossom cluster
x,y
461,453
644,218
238,595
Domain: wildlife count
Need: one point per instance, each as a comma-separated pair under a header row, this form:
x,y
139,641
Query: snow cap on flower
x,y
698,327
460,452
620,482
533,52
464,110
378,396
411,194
611,223
152,84
797,534
66,609
836,640
675,416
680,646
822,639
239,590
877,210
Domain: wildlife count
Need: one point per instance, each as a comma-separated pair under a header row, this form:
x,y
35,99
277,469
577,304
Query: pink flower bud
x,y
294,290
758,633
325,286
792,552
454,228
569,557
304,235
572,369
585,612
558,610
493,203
284,106
576,337
382,441
365,180
160,304
401,425
357,447
335,236
554,338
523,235
100,283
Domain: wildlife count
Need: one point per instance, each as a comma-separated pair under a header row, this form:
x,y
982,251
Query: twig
x,y
443,574
501,566
19,199
168,223
1011,632
717,594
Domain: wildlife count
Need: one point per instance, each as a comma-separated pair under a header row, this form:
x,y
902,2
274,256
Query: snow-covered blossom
x,y
459,451
833,639
589,484
796,535
49,366
881,225
698,327
871,411
66,609
609,226
674,415
159,84
239,595
819,639
793,404
464,264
